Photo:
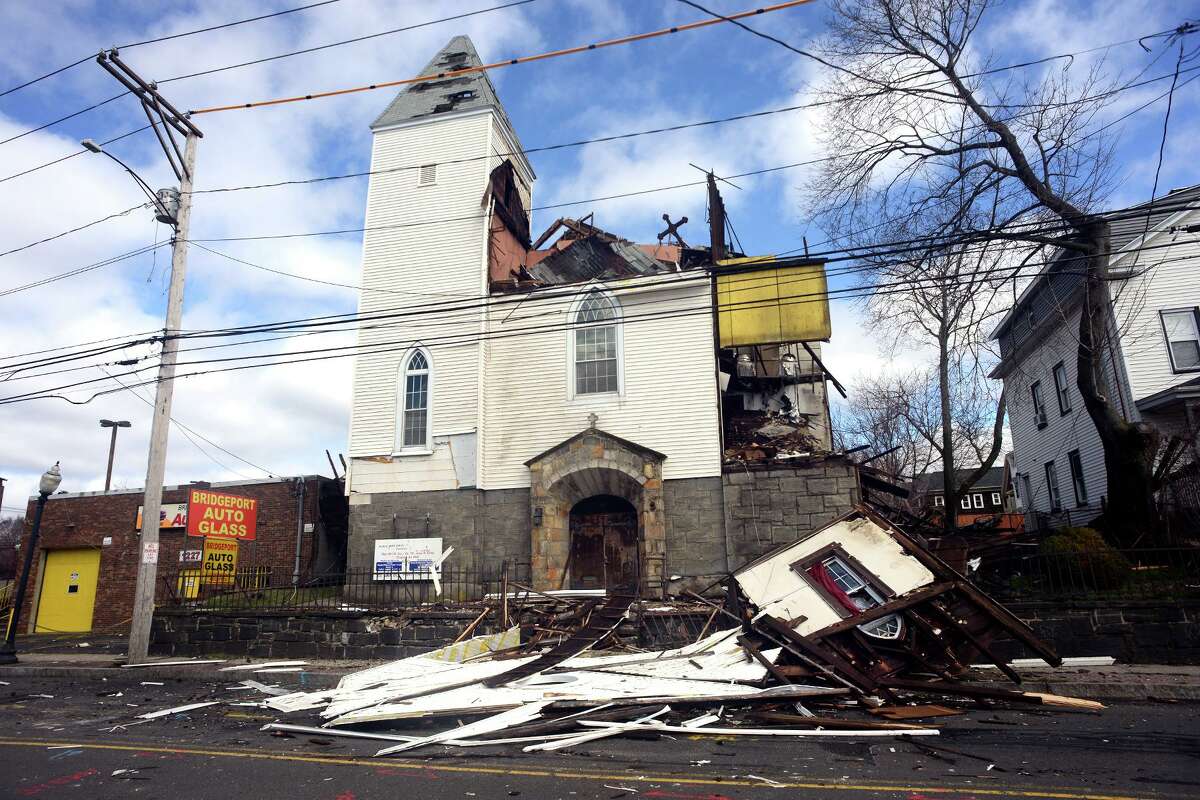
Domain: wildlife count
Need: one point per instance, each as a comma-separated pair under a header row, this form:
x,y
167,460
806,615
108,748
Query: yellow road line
x,y
1052,794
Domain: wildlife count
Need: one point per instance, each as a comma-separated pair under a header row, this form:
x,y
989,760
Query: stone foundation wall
x,y
696,546
767,508
1131,632
483,527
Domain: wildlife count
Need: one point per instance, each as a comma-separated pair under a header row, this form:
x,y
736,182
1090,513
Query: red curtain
x,y
821,575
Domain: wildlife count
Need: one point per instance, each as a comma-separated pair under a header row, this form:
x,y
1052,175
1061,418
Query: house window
x,y
1039,410
596,346
1183,339
939,501
1061,388
414,403
850,588
995,498
1052,487
977,499
965,502
1077,480
1027,489
427,175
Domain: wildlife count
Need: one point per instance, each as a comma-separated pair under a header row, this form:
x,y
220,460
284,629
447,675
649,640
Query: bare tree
x,y
926,137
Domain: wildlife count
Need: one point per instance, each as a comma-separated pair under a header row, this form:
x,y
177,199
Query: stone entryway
x,y
604,544
595,464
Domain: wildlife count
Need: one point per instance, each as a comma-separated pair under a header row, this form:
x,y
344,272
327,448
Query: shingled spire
x,y
441,95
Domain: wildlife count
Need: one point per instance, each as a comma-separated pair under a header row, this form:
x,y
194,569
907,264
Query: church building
x,y
601,412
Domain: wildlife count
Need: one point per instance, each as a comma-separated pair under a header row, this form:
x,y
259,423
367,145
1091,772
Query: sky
x,y
280,420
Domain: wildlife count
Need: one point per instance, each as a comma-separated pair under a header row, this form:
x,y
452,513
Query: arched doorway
x,y
604,543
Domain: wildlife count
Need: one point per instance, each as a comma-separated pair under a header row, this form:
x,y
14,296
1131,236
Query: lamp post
x,y
112,446
46,487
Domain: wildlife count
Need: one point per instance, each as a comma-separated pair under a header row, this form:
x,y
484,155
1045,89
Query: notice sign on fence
x,y
406,559
219,564
218,514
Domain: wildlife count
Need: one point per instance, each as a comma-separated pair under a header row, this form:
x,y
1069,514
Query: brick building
x,y
84,571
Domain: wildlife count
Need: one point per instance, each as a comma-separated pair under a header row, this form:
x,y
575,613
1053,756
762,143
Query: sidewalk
x,y
1116,683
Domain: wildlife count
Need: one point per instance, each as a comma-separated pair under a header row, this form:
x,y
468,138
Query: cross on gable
x,y
592,419
673,230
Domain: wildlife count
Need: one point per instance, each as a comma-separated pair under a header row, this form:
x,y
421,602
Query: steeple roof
x,y
442,95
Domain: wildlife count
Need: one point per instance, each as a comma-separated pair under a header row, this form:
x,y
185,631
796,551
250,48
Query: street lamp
x,y
112,446
165,201
51,478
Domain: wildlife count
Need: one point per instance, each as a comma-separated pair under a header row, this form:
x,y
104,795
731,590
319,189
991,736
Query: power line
x,y
638,37
892,287
73,230
354,40
72,155
89,57
80,270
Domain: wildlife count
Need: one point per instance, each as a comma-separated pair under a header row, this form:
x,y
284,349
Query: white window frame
x,y
939,501
1062,388
398,446
1078,480
996,498
964,502
573,327
1053,494
977,499
1039,406
1162,318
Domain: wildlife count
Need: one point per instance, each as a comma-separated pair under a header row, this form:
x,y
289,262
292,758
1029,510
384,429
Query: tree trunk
x,y
949,484
1131,515
997,445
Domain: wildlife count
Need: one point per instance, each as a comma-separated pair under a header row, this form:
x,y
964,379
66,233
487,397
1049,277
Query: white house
x,y
559,405
1151,360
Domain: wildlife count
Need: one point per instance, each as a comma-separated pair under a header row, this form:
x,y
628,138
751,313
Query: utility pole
x,y
112,447
166,121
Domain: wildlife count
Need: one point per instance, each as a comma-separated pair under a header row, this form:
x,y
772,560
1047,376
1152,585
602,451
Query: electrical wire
x,y
891,287
72,155
354,40
85,226
80,270
89,57
638,37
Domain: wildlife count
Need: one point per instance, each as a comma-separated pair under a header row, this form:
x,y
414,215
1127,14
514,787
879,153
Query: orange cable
x,y
522,60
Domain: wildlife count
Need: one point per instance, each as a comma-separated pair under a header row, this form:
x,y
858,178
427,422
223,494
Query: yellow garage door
x,y
68,591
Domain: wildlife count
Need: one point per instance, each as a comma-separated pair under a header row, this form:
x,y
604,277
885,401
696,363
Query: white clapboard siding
x,y
1034,447
669,397
408,264
1167,279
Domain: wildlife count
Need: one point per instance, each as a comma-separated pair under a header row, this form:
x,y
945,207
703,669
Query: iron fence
x,y
1162,573
270,588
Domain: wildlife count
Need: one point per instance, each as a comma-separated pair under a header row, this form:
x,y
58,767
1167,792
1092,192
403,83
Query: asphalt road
x,y
66,746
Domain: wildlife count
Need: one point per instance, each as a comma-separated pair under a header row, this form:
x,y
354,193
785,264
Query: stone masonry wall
x,y
768,508
483,527
695,531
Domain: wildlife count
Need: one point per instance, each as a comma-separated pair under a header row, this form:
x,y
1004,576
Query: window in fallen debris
x,y
1076,464
596,345
427,175
850,588
1052,487
414,402
1182,330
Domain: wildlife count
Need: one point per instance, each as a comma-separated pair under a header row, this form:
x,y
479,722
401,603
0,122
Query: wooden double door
x,y
604,544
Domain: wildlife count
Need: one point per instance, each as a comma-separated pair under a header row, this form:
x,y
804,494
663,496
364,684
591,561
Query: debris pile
x,y
854,631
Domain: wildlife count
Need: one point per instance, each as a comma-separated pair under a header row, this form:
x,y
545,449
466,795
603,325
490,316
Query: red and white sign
x,y
218,514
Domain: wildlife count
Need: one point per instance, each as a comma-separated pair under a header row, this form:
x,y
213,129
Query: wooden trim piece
x,y
871,614
947,618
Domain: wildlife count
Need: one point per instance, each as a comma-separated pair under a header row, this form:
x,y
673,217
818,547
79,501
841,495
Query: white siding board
x,y
668,403
1172,284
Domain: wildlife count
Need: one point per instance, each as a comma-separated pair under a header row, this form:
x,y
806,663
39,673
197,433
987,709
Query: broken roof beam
x,y
821,366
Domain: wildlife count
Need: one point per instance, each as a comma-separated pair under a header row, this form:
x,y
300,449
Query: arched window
x,y
597,346
414,403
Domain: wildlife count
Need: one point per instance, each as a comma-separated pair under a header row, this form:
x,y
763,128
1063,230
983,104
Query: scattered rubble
x,y
856,631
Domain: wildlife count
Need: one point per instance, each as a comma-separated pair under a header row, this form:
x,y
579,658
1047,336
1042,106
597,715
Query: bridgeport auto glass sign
x,y
406,559
231,516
